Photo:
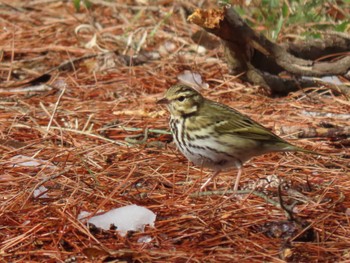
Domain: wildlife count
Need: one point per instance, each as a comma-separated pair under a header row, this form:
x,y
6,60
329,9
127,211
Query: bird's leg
x,y
238,177
210,178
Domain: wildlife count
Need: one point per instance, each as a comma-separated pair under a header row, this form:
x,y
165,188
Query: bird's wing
x,y
230,121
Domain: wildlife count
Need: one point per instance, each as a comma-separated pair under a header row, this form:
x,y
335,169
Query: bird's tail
x,y
293,148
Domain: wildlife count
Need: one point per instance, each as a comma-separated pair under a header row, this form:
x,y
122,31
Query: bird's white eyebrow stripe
x,y
185,92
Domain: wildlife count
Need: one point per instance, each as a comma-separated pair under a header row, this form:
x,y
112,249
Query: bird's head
x,y
182,100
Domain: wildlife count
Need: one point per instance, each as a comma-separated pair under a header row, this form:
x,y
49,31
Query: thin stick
x,y
54,111
90,135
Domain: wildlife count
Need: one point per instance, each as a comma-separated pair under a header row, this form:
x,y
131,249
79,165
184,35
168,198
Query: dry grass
x,y
80,130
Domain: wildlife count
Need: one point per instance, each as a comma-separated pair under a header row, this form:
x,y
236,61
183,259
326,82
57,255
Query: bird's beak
x,y
163,101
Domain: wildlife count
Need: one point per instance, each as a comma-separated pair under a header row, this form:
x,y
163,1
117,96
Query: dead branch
x,y
332,43
311,132
246,50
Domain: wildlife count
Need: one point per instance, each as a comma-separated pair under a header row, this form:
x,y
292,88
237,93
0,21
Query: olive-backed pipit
x,y
216,136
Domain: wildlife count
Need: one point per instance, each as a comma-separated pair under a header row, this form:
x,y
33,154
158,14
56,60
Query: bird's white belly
x,y
206,153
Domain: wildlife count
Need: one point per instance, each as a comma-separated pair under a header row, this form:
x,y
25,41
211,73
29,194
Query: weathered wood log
x,y
262,60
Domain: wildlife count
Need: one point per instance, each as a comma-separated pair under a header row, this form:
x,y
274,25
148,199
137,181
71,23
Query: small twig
x,y
45,131
54,110
137,129
91,135
51,177
131,140
81,132
27,89
287,209
87,122
239,192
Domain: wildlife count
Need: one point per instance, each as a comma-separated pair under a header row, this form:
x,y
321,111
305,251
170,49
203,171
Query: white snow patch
x,y
26,161
192,79
144,239
126,218
39,192
347,211
326,79
83,215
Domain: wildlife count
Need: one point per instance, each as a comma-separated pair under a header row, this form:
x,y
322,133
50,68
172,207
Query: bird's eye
x,y
182,98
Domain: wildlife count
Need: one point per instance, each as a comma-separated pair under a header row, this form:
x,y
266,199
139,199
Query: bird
x,y
216,136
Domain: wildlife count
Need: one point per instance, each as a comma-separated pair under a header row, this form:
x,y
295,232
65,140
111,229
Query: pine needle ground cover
x,y
81,132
